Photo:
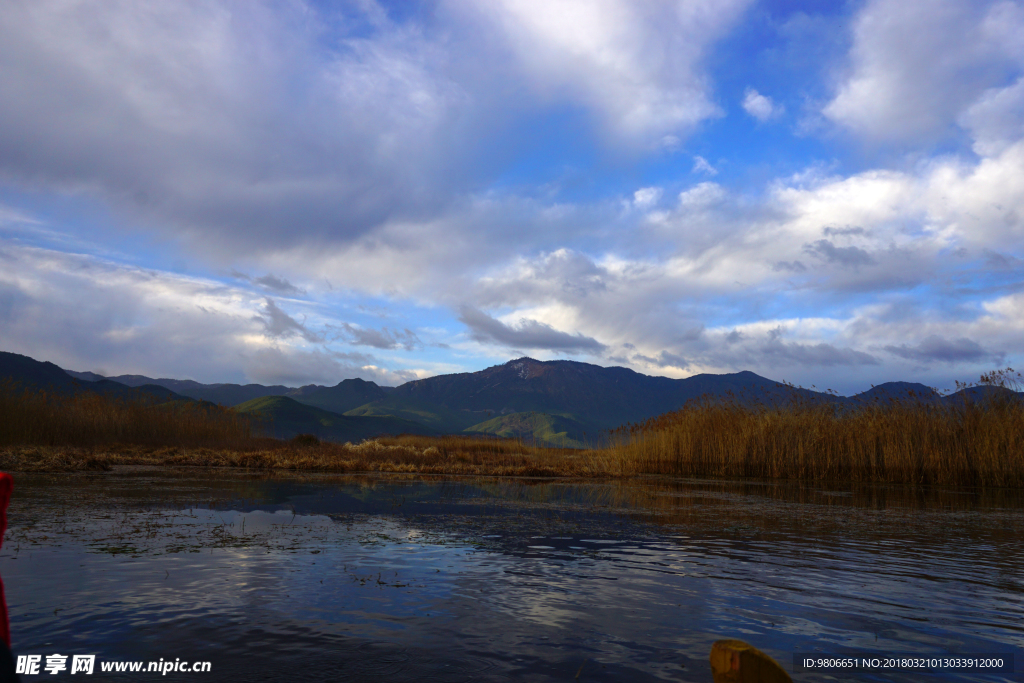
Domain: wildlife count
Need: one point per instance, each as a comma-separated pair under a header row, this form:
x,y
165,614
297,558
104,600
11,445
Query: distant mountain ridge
x,y
589,399
283,416
899,391
29,373
346,395
596,397
221,394
557,402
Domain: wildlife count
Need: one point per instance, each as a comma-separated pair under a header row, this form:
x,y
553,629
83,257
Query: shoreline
x,y
581,465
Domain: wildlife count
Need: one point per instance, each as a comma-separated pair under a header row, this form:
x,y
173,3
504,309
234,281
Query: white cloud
x,y
813,240
701,165
671,142
875,231
996,119
638,65
760,106
646,197
82,312
525,333
10,215
809,240
702,195
916,65
247,130
227,123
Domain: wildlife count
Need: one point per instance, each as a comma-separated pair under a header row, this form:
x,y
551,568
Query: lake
x,y
300,577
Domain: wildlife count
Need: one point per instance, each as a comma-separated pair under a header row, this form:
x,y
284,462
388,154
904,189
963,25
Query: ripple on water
x,y
328,578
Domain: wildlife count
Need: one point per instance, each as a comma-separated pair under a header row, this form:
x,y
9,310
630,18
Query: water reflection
x,y
299,577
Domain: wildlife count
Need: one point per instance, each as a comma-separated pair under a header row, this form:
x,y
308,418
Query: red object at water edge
x,y
6,486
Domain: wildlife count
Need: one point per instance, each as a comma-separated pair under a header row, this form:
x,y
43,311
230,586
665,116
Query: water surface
x,y
361,578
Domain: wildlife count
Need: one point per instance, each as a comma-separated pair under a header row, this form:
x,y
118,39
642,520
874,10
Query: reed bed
x,y
37,417
54,432
421,455
964,442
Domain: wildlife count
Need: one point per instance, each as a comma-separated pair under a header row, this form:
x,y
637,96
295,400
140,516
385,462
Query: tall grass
x,y
411,455
968,441
37,417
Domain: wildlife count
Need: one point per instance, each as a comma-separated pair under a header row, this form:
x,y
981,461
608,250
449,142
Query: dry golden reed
x,y
31,416
419,454
966,441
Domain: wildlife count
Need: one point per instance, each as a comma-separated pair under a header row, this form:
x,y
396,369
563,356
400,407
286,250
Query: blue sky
x,y
298,192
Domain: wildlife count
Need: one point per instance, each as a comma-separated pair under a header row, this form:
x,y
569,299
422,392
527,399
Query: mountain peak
x,y
524,367
355,382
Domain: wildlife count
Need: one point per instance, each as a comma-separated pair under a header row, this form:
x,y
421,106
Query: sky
x,y
295,192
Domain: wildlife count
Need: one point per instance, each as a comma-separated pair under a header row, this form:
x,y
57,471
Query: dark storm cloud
x,y
271,282
279,324
775,351
383,338
664,359
941,350
833,231
851,257
530,334
824,355
998,261
789,266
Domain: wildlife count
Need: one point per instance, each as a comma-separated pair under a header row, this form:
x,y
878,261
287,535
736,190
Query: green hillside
x,y
286,417
543,428
435,416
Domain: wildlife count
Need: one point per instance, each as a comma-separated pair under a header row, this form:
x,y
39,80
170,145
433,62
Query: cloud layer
x,y
89,314
917,66
361,190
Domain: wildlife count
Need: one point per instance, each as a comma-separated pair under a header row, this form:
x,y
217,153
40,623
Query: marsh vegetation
x,y
975,440
33,416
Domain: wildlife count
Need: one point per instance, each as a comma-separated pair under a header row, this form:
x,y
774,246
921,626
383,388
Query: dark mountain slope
x,y
29,373
287,417
597,397
980,394
221,394
344,396
898,391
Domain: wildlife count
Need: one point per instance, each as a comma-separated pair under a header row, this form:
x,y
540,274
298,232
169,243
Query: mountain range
x,y
562,403
30,373
348,394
